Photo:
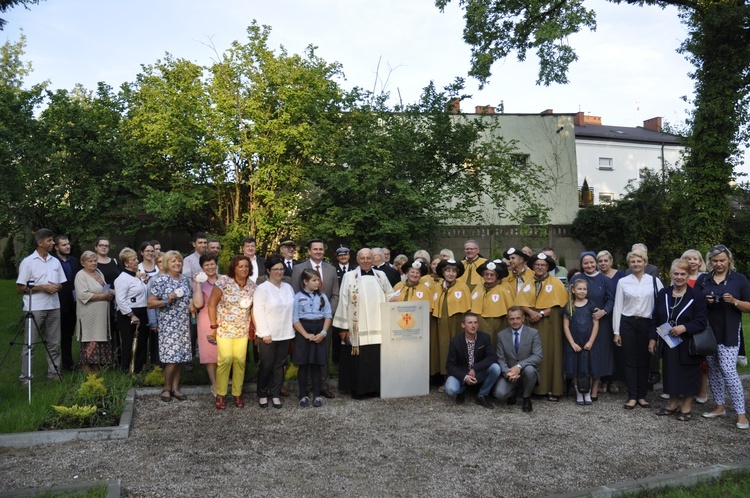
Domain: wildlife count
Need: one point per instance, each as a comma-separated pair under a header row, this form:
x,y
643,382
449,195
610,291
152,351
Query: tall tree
x,y
6,5
274,119
718,45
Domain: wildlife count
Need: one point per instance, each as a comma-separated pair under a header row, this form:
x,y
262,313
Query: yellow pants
x,y
232,354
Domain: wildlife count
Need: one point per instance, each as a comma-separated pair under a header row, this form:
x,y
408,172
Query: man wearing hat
x,y
345,264
329,285
471,262
450,300
287,249
542,301
491,300
520,274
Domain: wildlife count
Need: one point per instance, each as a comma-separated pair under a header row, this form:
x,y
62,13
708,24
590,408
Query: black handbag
x,y
703,343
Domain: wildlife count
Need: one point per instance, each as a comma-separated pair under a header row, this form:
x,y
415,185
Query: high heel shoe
x,y
238,402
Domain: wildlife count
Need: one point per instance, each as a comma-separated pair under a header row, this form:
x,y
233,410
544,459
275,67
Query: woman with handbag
x,y
682,311
727,294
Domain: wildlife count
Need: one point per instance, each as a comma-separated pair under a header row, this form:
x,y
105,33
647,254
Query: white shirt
x,y
42,271
130,293
273,309
634,298
191,265
254,275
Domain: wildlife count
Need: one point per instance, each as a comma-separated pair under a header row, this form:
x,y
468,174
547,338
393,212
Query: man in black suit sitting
x,y
471,362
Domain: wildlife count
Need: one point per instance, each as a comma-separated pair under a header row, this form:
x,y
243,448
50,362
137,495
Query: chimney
x,y
484,109
546,112
580,119
653,124
453,106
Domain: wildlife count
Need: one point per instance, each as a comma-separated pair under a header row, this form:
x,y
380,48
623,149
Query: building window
x,y
520,160
606,197
605,164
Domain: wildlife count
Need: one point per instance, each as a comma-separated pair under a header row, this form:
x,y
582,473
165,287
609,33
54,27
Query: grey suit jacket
x,y
330,281
529,349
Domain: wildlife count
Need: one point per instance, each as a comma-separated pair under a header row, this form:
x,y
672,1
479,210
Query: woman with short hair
x,y
412,288
727,294
681,310
631,319
92,310
175,297
273,313
207,350
450,300
491,300
132,318
229,309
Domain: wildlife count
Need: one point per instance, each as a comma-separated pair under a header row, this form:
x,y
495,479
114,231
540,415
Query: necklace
x,y
677,301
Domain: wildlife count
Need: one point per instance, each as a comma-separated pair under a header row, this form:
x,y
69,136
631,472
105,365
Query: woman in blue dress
x,y
601,294
172,294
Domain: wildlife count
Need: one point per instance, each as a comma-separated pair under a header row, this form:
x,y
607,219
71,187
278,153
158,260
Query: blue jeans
x,y
485,378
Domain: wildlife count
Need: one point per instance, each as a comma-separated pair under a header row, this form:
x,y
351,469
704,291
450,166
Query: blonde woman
x,y
132,318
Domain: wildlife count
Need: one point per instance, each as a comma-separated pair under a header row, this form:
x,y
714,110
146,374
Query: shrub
x,y
76,415
155,378
92,391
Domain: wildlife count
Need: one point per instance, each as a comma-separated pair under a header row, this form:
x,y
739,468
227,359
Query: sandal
x,y
220,405
167,398
666,411
178,395
550,397
685,416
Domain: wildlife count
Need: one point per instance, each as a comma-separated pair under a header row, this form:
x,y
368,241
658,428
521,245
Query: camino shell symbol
x,y
406,320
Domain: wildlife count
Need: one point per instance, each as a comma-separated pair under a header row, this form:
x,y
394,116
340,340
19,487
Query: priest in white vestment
x,y
358,315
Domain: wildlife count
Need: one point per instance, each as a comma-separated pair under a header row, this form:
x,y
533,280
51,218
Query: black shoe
x,y
511,400
527,405
460,398
483,401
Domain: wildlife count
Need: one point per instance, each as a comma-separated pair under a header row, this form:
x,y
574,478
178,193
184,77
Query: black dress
x,y
681,374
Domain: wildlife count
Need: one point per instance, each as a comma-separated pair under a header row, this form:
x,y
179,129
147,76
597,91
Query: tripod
x,y
28,327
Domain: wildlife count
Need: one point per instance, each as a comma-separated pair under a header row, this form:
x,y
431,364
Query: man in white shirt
x,y
40,278
191,264
259,264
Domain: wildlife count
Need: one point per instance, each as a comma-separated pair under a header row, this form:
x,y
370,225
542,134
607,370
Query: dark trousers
x,y
127,333
67,331
634,335
272,358
114,333
312,371
153,347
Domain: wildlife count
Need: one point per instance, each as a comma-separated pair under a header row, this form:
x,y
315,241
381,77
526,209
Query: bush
x,y
8,267
75,416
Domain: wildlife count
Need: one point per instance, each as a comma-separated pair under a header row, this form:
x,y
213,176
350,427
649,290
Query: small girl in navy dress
x,y
312,318
580,331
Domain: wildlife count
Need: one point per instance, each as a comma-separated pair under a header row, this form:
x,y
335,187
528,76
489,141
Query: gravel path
x,y
423,446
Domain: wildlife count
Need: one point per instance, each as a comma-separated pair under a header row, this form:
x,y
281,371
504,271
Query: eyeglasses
x,y
277,269
719,248
103,245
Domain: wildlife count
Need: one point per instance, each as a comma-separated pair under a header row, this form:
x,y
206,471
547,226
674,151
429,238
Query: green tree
x,y
274,116
18,134
718,45
167,139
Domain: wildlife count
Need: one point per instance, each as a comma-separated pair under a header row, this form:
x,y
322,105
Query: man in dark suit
x,y
379,263
329,286
471,362
287,249
70,266
519,354
345,264
248,246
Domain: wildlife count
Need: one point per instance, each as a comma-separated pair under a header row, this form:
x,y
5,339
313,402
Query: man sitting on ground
x,y
471,362
519,353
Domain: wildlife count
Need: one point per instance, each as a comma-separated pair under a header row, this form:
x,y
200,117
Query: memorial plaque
x,y
405,350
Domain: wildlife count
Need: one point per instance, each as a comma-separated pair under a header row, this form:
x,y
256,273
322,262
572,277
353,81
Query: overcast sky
x,y
628,70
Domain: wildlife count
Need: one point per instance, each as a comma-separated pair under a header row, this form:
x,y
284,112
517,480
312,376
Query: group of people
x,y
508,328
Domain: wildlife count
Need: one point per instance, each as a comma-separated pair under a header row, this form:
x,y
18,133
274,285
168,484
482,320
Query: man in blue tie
x,y
519,354
471,363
